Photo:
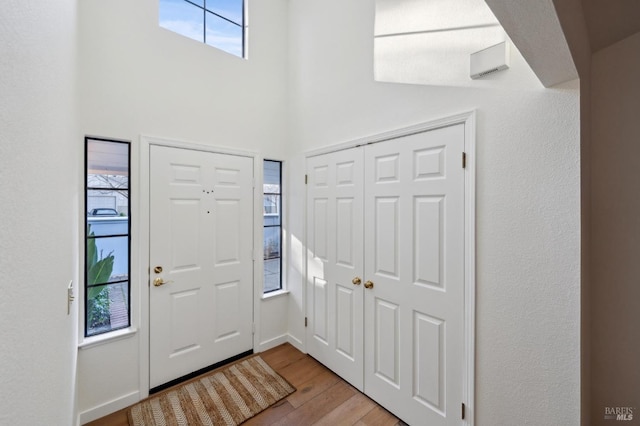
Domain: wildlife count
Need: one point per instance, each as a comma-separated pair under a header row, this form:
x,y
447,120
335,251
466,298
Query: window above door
x,y
218,23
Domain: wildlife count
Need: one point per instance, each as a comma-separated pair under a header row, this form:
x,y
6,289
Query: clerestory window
x,y
218,23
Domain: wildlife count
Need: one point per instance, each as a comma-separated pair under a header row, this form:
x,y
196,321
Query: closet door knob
x,y
368,284
356,281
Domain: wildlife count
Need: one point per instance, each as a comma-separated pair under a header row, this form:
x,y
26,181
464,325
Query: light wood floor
x,y
321,398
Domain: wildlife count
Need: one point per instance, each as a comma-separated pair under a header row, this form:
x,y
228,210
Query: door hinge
x,y
463,409
306,321
306,179
464,160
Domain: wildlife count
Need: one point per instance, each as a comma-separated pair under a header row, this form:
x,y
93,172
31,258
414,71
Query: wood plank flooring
x,y
321,398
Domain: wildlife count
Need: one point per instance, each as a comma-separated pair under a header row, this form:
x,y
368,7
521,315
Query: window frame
x,y
204,9
87,237
279,196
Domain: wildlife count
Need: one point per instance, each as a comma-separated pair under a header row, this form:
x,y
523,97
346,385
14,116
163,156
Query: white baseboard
x,y
283,338
108,407
297,343
272,343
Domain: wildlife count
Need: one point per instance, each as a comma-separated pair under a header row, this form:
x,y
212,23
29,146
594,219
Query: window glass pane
x,y
272,177
271,209
107,202
272,242
105,226
107,164
230,9
183,18
107,259
107,181
271,275
107,308
224,35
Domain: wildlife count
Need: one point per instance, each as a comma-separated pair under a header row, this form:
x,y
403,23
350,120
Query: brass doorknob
x,y
159,281
356,281
368,284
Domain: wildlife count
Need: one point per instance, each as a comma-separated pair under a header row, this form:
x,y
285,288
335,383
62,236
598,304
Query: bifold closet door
x,y
414,266
385,240
335,262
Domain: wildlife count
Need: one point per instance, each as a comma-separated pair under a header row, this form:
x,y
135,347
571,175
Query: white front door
x,y
414,260
335,262
201,237
392,214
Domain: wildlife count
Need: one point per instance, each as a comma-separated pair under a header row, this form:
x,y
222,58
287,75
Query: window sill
x,y
273,294
90,342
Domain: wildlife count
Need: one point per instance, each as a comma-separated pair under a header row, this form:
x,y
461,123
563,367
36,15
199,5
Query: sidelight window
x,y
272,217
107,238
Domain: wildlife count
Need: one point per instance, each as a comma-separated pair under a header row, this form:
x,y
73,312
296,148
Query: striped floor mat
x,y
226,397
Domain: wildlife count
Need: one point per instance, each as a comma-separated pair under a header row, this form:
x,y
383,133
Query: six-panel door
x,y
201,221
335,262
409,319
414,255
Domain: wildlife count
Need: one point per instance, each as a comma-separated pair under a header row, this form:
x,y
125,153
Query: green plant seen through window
x,y
98,272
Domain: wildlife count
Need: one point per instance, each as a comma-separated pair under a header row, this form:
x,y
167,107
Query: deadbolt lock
x,y
157,269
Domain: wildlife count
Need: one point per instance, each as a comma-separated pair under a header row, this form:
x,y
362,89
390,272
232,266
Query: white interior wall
x,y
39,170
528,203
431,42
137,78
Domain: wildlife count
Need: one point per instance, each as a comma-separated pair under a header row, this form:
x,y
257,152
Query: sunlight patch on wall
x,y
430,42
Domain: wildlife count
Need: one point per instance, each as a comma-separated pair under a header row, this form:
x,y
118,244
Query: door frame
x,y
143,237
468,119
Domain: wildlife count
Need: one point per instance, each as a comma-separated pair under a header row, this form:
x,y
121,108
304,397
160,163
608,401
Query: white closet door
x,y
201,237
414,259
335,262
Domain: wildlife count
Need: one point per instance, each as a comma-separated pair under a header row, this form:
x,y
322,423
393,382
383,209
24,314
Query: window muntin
x,y
272,217
218,23
107,238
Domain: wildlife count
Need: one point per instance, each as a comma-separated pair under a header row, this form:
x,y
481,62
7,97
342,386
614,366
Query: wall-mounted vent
x,y
490,60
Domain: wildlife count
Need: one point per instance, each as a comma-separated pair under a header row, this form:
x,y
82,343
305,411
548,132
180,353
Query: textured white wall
x,y
528,205
571,17
39,171
137,78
